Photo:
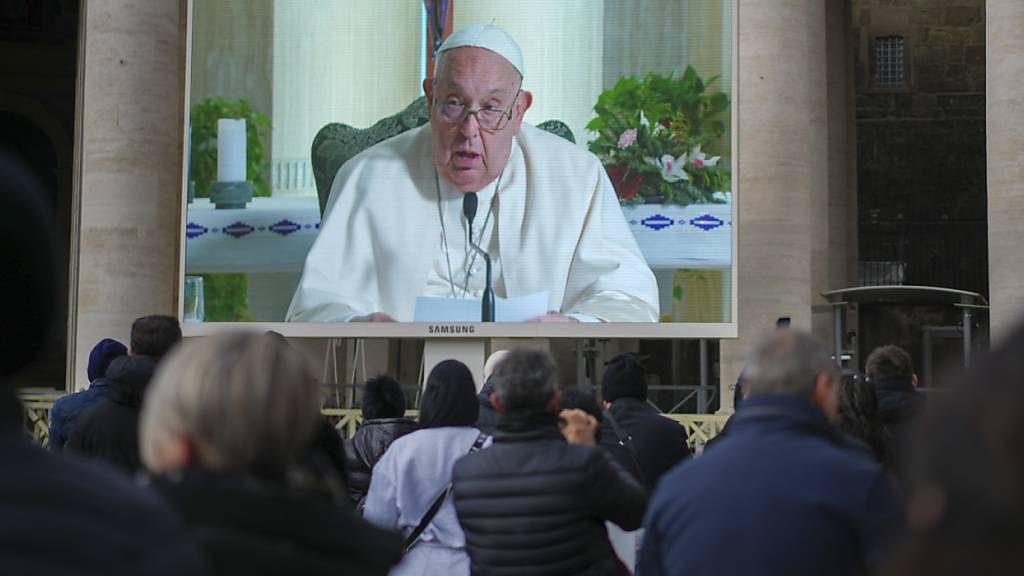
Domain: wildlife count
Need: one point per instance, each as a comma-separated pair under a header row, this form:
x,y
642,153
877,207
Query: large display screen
x,y
557,169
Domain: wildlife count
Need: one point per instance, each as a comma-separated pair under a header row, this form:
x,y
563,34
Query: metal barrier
x,y
37,414
700,428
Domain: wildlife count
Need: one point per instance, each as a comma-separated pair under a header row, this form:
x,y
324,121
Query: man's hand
x,y
580,427
375,317
553,317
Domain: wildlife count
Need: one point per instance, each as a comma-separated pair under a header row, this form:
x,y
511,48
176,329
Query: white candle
x,y
231,150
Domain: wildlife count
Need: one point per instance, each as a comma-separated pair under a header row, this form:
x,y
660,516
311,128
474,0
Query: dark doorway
x,y
38,58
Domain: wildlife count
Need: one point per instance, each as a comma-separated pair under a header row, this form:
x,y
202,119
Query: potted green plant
x,y
656,137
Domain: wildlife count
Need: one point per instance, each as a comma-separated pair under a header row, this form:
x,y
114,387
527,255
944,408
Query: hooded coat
x,y
109,431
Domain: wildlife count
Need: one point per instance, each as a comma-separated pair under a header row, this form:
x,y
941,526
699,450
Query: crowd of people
x,y
211,456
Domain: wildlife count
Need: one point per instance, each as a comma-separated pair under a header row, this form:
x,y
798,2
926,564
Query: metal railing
x,y
700,428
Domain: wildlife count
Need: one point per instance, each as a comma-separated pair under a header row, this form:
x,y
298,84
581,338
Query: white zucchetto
x,y
488,37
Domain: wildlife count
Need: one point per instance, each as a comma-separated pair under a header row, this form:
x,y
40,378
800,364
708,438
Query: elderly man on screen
x,y
394,227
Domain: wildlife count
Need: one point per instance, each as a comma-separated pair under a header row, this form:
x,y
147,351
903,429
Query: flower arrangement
x,y
651,135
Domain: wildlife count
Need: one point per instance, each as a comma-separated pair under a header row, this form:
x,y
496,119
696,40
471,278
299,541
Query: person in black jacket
x,y
61,514
533,503
384,422
966,478
859,417
109,430
900,405
225,429
642,440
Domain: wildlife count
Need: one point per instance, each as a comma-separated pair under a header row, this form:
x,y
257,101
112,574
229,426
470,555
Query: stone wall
x,y
921,149
921,165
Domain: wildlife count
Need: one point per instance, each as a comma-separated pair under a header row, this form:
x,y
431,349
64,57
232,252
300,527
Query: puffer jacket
x,y
533,504
362,452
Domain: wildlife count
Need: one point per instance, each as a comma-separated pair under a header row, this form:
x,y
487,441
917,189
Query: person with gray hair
x,y
538,498
223,428
809,505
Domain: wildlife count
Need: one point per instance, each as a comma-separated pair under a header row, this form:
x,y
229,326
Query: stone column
x,y
775,176
842,148
842,156
1004,90
131,109
818,107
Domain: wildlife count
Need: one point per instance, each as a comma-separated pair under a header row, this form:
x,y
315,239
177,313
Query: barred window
x,y
890,63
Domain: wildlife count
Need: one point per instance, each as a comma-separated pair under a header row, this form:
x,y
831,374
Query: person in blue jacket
x,y
782,493
66,410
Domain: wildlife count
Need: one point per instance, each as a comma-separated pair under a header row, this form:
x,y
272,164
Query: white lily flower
x,y
643,119
700,160
671,168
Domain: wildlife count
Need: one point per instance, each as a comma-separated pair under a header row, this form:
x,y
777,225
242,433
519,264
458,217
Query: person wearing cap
x,y
394,227
66,410
642,440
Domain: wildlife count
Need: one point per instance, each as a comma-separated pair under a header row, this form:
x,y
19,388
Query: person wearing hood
x,y
66,410
384,422
109,431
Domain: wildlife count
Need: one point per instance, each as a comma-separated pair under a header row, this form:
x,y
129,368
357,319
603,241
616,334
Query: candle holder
x,y
230,195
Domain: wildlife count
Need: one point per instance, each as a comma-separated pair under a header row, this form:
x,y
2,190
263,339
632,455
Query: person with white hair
x,y
398,225
223,429
487,420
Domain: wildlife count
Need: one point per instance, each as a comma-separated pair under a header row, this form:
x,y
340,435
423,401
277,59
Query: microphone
x,y
469,205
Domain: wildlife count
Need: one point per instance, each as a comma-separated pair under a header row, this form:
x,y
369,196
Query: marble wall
x,y
1005,138
131,107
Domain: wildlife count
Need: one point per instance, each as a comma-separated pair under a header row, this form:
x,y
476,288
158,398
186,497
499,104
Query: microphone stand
x,y
469,205
487,303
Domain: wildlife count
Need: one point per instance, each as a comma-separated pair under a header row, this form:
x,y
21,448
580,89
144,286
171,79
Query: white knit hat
x,y
488,37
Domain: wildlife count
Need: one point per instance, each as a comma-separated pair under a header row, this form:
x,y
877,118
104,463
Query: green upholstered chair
x,y
335,143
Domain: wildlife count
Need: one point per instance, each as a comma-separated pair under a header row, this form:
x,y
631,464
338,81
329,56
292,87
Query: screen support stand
x,y
469,351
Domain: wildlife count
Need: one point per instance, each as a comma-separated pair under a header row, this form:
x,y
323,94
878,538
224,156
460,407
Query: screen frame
x,y
652,330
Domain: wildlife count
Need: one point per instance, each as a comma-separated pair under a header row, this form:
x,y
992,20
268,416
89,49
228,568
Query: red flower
x,y
626,183
665,123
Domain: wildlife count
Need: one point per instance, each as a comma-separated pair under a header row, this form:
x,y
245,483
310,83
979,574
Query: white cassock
x,y
555,225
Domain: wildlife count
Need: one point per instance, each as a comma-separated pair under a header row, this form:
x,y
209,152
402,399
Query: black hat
x,y
624,377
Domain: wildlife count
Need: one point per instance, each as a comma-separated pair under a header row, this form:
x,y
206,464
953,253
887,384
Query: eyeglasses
x,y
489,118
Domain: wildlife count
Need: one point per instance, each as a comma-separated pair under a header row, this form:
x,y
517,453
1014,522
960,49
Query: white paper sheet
x,y
520,309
